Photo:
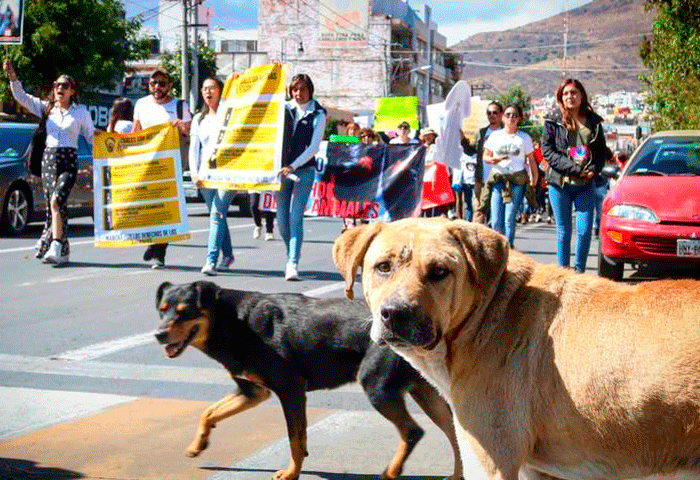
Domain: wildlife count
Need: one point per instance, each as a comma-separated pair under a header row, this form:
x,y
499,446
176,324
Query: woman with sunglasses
x,y
510,152
66,120
573,144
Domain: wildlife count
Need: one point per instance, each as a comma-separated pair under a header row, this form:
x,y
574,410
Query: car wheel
x,y
608,268
16,210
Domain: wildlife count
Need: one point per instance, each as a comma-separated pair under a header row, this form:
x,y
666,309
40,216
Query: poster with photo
x,y
11,21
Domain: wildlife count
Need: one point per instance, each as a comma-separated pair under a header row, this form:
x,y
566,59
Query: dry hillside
x,y
603,50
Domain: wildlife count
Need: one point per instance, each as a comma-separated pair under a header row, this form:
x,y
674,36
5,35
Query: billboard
x,y
343,23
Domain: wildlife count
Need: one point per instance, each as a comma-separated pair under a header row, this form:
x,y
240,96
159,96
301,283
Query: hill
x,y
602,50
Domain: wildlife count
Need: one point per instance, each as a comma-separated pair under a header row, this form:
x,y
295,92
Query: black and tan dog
x,y
289,344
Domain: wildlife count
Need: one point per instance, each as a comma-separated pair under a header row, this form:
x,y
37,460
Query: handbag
x,y
37,146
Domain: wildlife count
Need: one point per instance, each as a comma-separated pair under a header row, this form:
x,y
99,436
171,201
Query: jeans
x,y
218,202
600,192
291,203
468,191
561,199
504,216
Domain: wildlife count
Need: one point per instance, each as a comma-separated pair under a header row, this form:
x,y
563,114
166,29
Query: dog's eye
x,y
383,267
437,273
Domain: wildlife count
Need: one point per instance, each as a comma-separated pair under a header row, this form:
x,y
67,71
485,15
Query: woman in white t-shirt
x,y
510,151
121,117
218,200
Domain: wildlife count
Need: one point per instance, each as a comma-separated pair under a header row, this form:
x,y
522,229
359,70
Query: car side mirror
x,y
610,172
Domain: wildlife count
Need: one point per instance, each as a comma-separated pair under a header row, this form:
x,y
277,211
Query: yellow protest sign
x,y
250,127
137,182
390,111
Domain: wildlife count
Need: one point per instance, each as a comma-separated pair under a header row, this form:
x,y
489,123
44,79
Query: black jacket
x,y
297,139
555,147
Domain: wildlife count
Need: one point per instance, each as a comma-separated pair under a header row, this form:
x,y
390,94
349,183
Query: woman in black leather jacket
x,y
573,144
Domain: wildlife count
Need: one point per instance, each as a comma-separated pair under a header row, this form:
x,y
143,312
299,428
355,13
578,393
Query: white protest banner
x,y
247,152
137,181
448,119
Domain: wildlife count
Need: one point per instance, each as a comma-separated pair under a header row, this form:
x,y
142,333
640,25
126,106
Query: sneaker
x,y
291,274
269,237
209,269
224,263
256,232
40,249
158,263
538,218
54,254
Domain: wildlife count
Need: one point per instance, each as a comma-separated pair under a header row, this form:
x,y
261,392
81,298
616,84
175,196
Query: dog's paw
x,y
196,447
285,475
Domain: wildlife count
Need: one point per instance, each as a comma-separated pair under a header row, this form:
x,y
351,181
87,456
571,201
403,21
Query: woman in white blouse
x,y
66,121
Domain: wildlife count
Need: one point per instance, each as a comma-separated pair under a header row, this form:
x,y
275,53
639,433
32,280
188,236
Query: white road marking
x,y
97,350
83,276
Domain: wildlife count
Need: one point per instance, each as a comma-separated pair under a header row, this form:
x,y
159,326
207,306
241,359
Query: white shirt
x,y
62,128
398,141
200,136
123,126
149,113
487,166
513,145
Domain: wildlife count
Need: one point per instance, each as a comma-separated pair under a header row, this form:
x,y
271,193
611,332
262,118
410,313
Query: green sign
x,y
391,111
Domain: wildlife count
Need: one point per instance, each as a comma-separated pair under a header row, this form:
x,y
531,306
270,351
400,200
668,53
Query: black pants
x,y
59,168
155,250
258,214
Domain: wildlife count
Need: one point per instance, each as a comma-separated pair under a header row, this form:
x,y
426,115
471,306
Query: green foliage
x,y
517,96
172,63
672,55
90,40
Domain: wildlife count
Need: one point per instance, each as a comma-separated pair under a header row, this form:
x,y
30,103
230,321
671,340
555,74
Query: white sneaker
x,y
256,232
269,237
157,264
209,269
225,263
291,274
54,254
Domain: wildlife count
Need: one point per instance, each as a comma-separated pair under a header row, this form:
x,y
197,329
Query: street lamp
x,y
283,45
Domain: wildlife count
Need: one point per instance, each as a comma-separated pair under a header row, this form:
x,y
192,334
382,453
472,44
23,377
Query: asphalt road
x,y
88,393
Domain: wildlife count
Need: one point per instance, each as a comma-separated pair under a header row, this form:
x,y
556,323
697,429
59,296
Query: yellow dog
x,y
548,372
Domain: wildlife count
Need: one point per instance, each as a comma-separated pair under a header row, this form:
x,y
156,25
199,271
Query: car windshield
x,y
667,156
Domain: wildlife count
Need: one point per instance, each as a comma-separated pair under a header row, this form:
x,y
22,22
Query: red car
x,y
652,214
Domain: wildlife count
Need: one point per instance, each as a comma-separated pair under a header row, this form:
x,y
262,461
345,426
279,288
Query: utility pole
x,y
195,56
429,71
185,80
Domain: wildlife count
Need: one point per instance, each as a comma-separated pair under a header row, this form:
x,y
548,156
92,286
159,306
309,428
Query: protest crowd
x,y
500,178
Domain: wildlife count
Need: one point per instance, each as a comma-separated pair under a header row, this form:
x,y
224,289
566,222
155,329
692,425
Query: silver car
x,y
21,193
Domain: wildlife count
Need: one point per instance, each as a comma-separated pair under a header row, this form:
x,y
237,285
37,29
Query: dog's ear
x,y
161,291
207,294
349,251
486,252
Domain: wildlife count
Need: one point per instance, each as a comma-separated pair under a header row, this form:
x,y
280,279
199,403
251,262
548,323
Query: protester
x,y
573,143
121,116
352,130
369,137
494,115
438,197
544,207
258,215
305,121
404,135
155,109
509,150
463,183
217,200
66,120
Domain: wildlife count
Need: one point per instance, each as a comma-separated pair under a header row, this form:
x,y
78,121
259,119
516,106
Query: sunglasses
x,y
365,135
158,83
65,85
492,112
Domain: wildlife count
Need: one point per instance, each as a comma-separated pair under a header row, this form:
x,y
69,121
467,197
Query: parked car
x,y
652,214
21,194
241,198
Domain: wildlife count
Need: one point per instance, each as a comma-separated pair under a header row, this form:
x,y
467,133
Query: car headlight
x,y
633,212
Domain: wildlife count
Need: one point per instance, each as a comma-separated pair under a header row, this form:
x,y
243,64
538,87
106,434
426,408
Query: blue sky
x,y
456,20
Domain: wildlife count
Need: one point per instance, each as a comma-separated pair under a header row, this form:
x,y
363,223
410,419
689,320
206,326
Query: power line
x,y
553,45
617,68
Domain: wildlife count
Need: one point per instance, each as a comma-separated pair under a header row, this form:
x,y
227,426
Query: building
x,y
358,50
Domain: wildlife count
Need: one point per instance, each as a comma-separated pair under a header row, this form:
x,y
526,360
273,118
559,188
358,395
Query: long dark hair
x,y
52,96
566,115
205,108
122,109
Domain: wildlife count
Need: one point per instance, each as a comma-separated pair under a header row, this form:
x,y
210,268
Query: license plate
x,y
688,248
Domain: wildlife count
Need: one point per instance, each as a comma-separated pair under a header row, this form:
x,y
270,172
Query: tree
x,y
172,63
90,40
672,55
517,96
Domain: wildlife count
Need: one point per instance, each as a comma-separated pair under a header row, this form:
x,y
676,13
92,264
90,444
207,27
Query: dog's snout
x,y
406,323
394,314
161,336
